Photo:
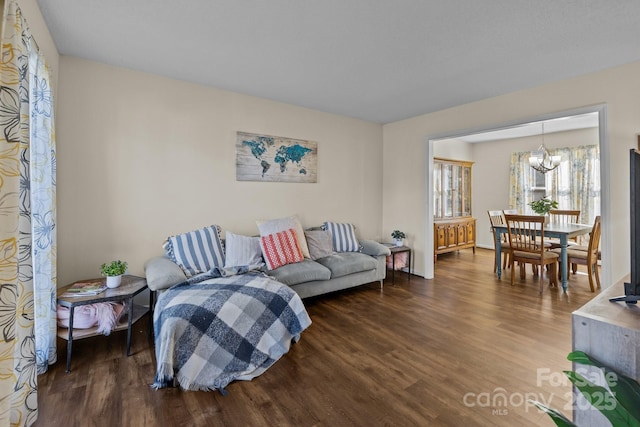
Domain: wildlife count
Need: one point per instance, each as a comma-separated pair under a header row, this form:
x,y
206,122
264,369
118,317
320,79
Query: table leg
x,y
563,261
70,339
130,318
498,256
393,268
150,313
409,269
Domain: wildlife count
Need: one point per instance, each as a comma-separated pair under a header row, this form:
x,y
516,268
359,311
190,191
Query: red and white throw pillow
x,y
280,249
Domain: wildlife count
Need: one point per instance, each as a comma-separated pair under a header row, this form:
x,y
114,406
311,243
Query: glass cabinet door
x,y
451,189
466,179
456,195
447,190
437,190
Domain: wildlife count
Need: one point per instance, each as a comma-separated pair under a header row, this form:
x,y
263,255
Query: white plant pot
x,y
114,281
399,242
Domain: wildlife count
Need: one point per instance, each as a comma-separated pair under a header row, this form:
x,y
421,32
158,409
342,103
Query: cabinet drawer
x,y
462,234
440,238
452,236
471,232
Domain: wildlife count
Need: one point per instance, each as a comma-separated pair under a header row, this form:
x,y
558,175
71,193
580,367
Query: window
x,y
575,183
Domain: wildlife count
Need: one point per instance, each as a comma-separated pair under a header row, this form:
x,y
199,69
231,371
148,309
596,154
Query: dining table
x,y
563,232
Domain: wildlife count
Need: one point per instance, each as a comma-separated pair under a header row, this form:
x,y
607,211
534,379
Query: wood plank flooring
x,y
462,349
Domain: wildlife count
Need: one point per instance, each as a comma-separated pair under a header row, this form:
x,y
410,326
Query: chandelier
x,y
541,160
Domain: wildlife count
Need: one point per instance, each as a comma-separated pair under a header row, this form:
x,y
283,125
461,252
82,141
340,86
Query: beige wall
x,y
141,157
405,149
453,149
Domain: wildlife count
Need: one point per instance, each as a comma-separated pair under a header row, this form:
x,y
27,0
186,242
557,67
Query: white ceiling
x,y
377,60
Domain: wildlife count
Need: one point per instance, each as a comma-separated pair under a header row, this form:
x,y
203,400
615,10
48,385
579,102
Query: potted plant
x,y
543,206
398,237
113,271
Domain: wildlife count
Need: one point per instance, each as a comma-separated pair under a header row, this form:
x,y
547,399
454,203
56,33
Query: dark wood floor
x,y
427,353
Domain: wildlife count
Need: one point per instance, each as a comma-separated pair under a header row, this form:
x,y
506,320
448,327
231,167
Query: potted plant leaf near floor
x,y
113,271
543,206
618,400
398,237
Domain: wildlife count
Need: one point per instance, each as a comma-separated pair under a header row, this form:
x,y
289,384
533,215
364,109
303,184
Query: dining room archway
x,y
593,118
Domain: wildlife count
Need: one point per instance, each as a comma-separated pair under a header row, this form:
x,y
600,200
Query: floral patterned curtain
x,y
575,183
521,180
27,221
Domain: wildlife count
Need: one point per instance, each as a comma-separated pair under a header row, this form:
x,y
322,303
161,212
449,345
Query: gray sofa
x,y
307,278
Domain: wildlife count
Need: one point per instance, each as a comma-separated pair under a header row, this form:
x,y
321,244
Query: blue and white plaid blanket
x,y
211,333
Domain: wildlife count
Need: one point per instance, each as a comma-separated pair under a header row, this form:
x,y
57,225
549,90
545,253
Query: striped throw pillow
x,y
343,236
197,251
280,249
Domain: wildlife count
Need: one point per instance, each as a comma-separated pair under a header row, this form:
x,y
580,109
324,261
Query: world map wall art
x,y
275,159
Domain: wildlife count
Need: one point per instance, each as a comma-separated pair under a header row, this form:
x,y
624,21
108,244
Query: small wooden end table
x,y
398,250
129,288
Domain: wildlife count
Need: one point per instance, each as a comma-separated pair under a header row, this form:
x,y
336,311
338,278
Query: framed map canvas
x,y
275,159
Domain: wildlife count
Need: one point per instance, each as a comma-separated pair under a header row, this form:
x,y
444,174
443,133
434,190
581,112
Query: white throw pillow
x,y
242,250
281,224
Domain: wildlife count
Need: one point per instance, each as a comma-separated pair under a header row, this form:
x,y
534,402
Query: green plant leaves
x,y
625,390
619,403
556,416
114,268
543,206
604,401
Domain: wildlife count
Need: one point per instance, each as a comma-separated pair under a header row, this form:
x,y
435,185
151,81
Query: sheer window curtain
x,y
27,221
521,181
575,184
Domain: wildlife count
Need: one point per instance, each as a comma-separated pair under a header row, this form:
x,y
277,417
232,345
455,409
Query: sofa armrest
x,y
162,273
373,248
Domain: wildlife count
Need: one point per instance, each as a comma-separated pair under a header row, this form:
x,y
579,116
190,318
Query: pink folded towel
x,y
401,261
104,314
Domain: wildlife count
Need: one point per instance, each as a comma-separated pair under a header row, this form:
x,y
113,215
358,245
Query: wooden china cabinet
x,y
453,226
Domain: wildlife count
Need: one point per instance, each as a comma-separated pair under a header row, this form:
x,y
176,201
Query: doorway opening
x,y
490,191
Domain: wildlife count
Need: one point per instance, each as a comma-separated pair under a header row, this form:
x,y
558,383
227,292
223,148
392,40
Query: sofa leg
x,y
381,284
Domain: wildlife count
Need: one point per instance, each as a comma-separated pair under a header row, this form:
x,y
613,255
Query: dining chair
x,y
589,257
497,218
564,216
526,240
547,244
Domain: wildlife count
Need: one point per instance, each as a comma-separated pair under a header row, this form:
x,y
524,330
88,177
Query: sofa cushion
x,y
197,251
162,273
319,242
345,263
280,248
305,271
370,247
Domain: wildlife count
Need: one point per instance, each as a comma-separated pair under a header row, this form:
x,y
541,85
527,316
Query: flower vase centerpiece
x,y
543,206
113,271
398,237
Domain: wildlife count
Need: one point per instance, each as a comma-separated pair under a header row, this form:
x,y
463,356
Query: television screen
x,y
632,288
